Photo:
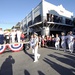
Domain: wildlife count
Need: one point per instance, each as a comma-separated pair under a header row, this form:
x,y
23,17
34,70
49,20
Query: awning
x,y
60,24
35,24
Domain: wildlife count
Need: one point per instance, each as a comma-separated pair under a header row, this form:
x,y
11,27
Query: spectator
x,y
50,40
53,40
57,41
22,37
39,41
7,37
43,41
1,36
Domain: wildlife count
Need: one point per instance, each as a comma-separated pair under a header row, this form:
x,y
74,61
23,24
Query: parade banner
x,y
2,48
15,47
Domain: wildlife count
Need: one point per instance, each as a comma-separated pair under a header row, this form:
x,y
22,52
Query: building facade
x,y
47,19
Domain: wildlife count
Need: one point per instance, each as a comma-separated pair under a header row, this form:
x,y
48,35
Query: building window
x,y
37,19
68,21
30,23
50,17
54,18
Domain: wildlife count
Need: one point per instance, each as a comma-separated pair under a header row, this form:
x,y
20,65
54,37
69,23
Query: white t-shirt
x,y
57,39
1,32
13,34
35,41
63,38
31,42
18,33
70,38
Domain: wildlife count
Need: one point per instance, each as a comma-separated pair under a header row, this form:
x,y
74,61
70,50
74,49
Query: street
x,y
51,62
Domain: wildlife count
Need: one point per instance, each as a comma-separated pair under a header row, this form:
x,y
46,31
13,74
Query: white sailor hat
x,y
35,33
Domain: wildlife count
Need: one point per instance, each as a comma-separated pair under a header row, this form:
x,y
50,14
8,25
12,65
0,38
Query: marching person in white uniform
x,y
57,41
63,41
18,33
36,54
13,33
70,41
32,43
74,44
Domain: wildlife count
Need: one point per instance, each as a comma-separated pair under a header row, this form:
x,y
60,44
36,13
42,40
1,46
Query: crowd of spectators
x,y
7,37
63,41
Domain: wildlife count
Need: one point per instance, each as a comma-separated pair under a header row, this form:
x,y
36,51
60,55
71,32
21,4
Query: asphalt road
x,y
51,62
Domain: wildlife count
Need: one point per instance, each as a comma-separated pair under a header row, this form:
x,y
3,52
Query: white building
x,y
47,18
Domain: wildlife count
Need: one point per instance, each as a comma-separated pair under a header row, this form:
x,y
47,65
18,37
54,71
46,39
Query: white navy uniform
x,y
74,44
18,35
13,36
63,42
32,44
70,42
36,54
57,39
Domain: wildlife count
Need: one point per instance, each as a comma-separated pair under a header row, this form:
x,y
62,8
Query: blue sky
x,y
13,11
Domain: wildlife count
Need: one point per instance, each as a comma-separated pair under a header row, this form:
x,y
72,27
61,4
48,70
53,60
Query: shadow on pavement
x,y
40,73
25,51
26,72
71,57
67,61
59,68
7,68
